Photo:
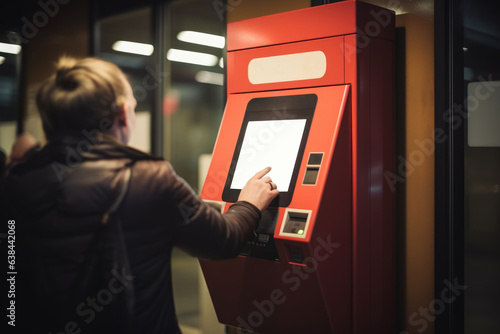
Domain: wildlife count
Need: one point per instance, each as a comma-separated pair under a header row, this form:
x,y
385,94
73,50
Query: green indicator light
x,y
300,232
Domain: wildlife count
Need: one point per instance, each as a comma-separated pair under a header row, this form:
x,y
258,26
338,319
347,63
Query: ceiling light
x,y
10,48
191,57
2,60
221,62
133,47
210,78
201,38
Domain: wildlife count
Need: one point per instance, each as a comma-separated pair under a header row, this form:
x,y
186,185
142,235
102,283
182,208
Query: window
x,y
172,53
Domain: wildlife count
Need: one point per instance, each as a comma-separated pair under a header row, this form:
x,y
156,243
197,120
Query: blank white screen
x,y
269,143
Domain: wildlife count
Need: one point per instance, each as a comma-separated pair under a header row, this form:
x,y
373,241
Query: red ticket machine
x,y
310,93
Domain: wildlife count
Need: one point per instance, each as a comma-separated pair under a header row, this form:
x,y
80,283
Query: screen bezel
x,y
274,108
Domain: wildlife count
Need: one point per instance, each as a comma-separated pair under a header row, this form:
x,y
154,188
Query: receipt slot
x,y
310,93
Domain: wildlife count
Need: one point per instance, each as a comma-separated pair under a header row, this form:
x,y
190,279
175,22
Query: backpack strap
x,y
123,322
109,253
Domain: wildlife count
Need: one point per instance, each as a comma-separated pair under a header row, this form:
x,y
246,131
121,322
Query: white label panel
x,y
290,67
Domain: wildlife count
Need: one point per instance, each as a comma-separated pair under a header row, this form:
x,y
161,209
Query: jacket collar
x,y
81,148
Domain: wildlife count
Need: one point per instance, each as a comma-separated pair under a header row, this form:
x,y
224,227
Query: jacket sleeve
x,y
200,229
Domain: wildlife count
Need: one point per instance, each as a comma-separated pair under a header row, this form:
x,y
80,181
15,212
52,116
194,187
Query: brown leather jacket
x,y
57,199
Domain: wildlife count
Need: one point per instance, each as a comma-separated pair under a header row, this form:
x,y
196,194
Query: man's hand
x,y
259,190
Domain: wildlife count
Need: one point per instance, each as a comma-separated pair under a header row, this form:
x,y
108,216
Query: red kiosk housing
x,y
310,93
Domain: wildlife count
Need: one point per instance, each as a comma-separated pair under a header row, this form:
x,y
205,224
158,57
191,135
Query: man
x,y
61,196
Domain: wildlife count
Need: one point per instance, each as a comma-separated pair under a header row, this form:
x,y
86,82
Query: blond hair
x,y
79,95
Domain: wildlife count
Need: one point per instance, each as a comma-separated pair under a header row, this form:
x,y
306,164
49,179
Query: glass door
x,y
172,53
467,167
192,108
126,39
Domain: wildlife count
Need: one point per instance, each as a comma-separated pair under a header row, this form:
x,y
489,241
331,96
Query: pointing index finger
x,y
261,173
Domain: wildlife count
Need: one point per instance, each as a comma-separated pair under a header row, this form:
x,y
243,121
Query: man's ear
x,y
122,115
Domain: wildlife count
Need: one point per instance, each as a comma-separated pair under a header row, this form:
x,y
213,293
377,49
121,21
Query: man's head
x,y
86,95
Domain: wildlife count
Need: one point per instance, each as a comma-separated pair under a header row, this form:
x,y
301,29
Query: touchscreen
x,y
273,133
272,143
